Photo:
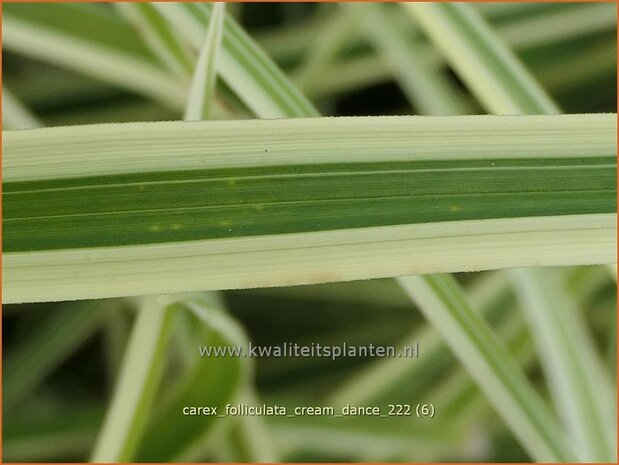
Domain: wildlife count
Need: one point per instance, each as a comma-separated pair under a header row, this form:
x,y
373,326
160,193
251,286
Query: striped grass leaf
x,y
545,26
424,85
571,216
247,435
225,373
137,384
508,87
564,24
492,73
559,72
373,197
444,304
202,90
581,390
158,36
245,67
460,396
101,47
382,379
563,65
213,381
430,93
387,381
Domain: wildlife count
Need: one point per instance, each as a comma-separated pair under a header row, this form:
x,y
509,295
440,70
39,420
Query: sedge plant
x,y
138,176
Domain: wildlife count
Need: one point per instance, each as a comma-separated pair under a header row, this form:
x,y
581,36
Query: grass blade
x,y
214,381
296,207
425,87
459,395
581,390
443,303
101,47
200,207
249,432
499,81
162,40
202,90
545,29
243,65
379,381
137,384
546,26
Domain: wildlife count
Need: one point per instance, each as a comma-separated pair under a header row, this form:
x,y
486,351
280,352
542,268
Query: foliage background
x,y
60,409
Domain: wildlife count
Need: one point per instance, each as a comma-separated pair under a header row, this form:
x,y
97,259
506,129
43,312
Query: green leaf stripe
x,y
183,206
